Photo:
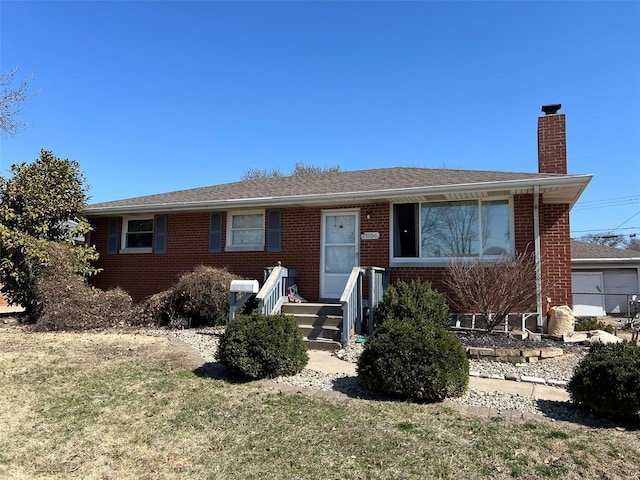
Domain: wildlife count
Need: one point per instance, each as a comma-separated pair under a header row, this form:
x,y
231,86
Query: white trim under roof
x,y
559,190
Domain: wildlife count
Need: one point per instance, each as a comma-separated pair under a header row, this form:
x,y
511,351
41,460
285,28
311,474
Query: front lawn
x,y
123,406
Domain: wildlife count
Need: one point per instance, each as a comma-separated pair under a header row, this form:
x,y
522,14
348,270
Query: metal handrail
x,y
273,293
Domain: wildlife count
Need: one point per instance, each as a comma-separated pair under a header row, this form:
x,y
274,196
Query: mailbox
x,y
245,286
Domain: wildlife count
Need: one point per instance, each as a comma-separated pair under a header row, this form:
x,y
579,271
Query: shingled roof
x,y
348,186
591,251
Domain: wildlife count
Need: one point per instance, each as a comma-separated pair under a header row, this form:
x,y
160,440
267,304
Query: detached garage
x,y
603,278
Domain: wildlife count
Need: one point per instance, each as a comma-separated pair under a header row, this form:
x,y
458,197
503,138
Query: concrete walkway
x,y
323,361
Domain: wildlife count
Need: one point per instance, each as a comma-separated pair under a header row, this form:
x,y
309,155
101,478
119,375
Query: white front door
x,y
340,250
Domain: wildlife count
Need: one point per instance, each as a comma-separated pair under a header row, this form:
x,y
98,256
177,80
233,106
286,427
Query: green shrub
x,y
420,360
414,301
607,380
262,346
587,324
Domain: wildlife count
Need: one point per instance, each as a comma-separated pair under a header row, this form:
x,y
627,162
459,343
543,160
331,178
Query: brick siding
x,y
187,247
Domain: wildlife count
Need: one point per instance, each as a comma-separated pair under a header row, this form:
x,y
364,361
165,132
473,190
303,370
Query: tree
x,y
633,244
11,101
41,202
608,239
493,289
298,171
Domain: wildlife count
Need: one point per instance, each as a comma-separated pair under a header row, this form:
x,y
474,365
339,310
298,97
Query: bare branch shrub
x,y
66,302
493,289
202,295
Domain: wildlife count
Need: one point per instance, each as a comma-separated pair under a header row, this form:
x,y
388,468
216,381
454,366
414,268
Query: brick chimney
x,y
552,140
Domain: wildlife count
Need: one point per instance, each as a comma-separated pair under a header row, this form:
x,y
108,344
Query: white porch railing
x,y
274,292
352,302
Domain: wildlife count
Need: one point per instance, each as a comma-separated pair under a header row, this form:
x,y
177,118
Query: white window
x,y
439,231
137,234
245,230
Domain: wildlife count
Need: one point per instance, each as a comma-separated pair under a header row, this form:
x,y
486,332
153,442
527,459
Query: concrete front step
x,y
322,344
321,323
332,309
318,321
325,333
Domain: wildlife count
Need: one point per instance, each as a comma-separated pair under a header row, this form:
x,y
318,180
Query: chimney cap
x,y
551,109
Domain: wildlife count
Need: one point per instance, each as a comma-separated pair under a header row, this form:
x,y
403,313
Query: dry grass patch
x,y
108,406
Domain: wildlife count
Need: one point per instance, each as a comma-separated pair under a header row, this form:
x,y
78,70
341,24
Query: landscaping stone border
x,y
512,355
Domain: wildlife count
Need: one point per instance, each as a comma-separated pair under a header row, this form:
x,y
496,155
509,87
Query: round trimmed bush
x,y
262,346
419,360
413,301
607,380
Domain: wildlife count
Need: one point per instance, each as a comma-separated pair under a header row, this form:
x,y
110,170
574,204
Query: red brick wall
x,y
552,144
188,236
142,274
3,301
555,242
555,250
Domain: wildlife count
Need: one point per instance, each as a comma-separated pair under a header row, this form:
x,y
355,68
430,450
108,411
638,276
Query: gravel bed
x,y
205,341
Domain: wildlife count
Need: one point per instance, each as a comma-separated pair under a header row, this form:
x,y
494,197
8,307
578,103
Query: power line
x,y
635,214
606,203
601,230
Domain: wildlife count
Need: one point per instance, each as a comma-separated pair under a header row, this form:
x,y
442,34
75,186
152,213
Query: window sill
x,y
439,262
418,262
136,250
244,248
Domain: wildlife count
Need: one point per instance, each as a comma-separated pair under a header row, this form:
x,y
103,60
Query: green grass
x,y
98,406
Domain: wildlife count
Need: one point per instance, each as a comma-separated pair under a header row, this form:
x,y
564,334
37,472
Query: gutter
x,y
536,236
631,260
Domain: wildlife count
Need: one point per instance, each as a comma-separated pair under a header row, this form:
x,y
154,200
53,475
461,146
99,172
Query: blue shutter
x,y
215,233
112,236
274,238
160,234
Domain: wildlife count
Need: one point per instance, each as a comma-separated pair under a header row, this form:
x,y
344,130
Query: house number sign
x,y
370,235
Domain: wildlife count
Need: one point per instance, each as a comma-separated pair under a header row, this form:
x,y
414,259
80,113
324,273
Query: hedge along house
x,y
411,221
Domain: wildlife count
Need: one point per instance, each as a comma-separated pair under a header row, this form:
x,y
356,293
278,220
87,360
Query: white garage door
x,y
588,298
618,284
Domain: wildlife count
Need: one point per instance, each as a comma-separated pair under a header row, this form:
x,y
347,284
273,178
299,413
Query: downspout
x,y
536,235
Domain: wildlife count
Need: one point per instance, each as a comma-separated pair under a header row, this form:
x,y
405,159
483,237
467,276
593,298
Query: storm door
x,y
339,251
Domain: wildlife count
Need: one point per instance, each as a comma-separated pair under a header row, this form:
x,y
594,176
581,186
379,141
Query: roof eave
x,y
520,186
630,260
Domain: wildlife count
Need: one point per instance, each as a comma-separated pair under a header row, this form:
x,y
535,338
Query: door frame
x,y
335,212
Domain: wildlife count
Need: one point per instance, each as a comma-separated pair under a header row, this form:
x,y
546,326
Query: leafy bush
x,y
607,380
592,324
420,360
36,202
262,346
413,301
66,302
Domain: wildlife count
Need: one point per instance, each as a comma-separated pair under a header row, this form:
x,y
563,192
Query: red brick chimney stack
x,y
552,140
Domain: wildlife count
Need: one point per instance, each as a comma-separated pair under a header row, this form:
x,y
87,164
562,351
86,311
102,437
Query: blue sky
x,y
153,97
